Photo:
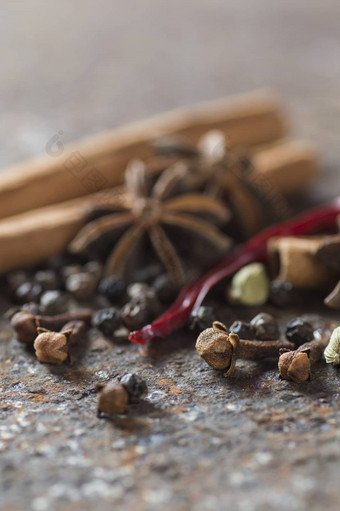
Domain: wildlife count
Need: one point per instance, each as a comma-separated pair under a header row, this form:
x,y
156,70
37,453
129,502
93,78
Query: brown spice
x,y
295,260
112,399
296,365
52,347
217,347
221,349
25,324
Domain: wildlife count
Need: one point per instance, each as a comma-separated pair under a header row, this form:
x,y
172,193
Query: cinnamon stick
x,y
294,260
99,162
291,166
33,237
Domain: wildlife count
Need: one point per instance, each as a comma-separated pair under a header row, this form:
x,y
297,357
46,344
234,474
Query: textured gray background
x,y
201,442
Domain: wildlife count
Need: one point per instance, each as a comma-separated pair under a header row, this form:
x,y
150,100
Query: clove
x,y
221,349
296,365
52,347
25,324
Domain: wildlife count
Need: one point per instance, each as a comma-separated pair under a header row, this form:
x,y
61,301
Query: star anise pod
x,y
217,170
151,212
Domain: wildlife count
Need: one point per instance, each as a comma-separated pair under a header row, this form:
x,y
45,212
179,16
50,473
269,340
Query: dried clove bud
x,y
52,347
78,329
299,331
135,386
250,285
266,326
112,399
296,365
217,347
221,350
25,324
332,351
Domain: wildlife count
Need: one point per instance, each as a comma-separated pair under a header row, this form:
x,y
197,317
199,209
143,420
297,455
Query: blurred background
x,y
82,67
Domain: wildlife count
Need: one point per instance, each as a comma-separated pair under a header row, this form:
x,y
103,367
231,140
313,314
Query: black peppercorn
x,y
266,327
81,285
166,289
243,330
47,279
282,294
33,308
107,321
299,331
28,292
112,288
135,385
16,279
54,302
135,314
201,318
141,291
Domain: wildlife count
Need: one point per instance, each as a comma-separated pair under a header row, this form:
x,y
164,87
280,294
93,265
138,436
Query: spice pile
x,y
302,347
185,208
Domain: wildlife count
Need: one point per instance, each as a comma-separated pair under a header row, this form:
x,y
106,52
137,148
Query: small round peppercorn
x,y
266,327
135,314
165,288
47,279
299,331
243,330
28,292
107,321
95,268
201,318
148,273
72,269
135,385
112,288
112,399
282,294
16,279
81,285
54,302
33,308
141,291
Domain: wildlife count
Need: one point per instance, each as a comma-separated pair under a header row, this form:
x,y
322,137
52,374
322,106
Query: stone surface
x,y
199,441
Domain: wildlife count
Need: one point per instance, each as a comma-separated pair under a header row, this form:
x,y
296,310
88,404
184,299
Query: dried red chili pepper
x,y
314,221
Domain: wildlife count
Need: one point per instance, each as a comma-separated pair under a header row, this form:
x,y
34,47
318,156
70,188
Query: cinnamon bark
x,y
247,120
295,260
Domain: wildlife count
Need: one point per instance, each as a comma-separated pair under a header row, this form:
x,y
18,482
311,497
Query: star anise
x,y
151,212
217,170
